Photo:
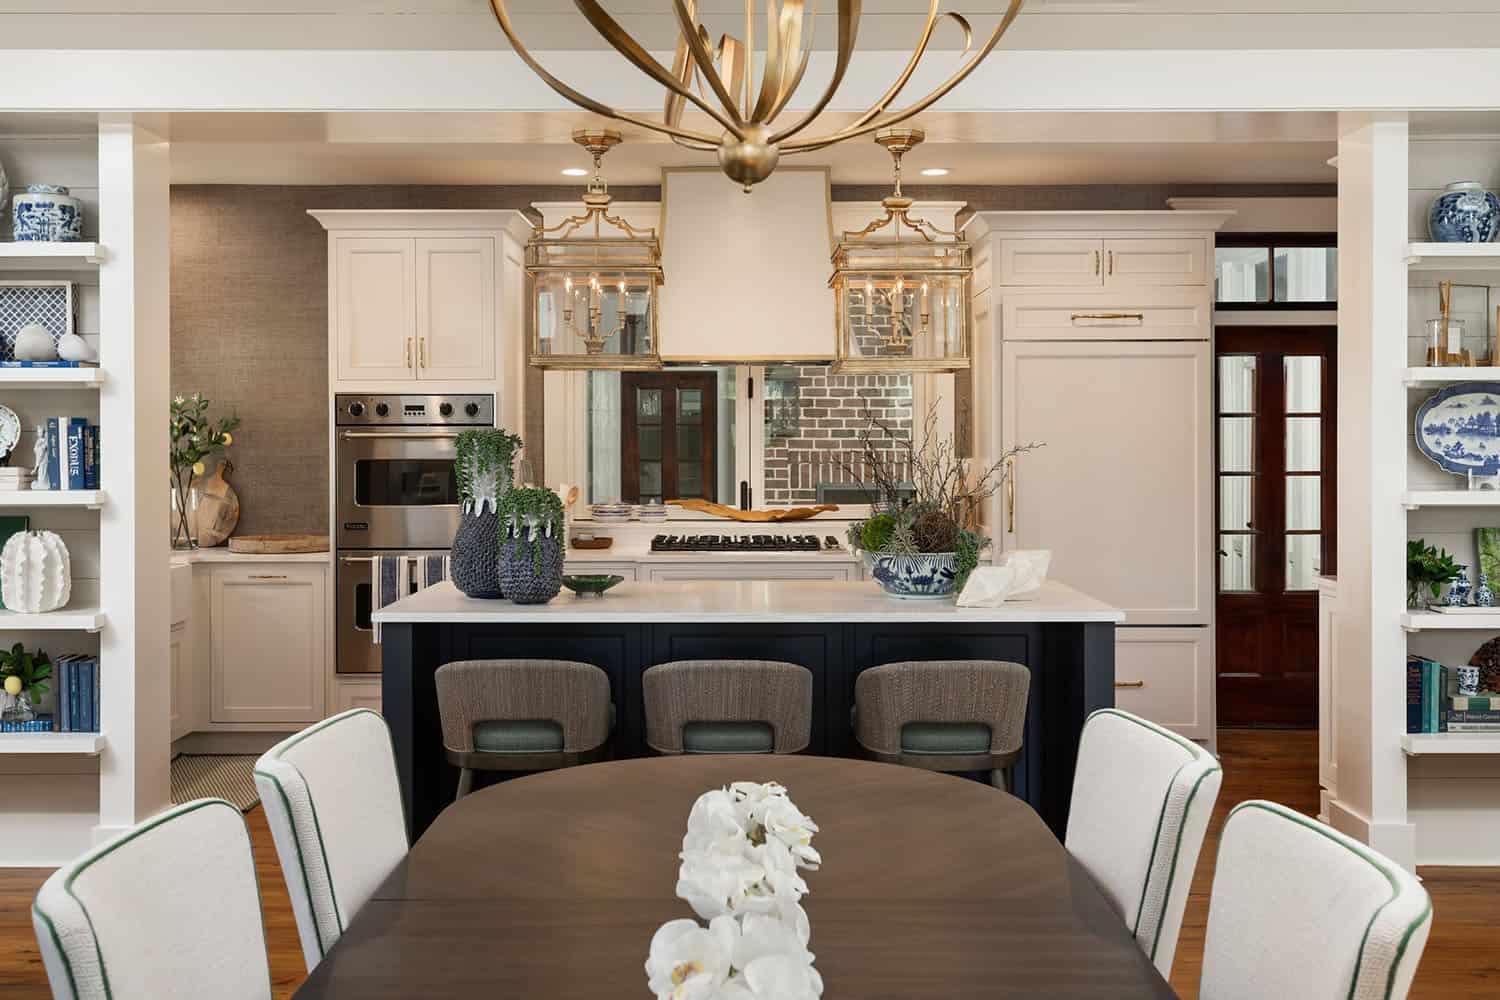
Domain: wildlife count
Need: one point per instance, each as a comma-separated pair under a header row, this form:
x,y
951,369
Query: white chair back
x,y
333,803
1142,798
1300,910
170,909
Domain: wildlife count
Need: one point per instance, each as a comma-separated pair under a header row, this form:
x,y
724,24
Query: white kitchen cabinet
x,y
180,651
1155,261
455,318
1053,263
1122,491
1142,314
355,693
1166,675
269,641
842,571
374,310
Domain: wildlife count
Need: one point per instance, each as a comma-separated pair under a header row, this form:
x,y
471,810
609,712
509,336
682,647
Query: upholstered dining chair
x,y
1142,798
169,909
333,803
522,715
943,715
1300,910
728,706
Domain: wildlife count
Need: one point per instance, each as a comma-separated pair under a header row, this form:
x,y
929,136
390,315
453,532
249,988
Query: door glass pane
x,y
690,443
1304,558
1304,384
1236,444
401,482
1240,274
1307,274
1235,498
648,406
1237,383
1304,503
690,479
1236,563
650,481
689,405
649,442
1304,444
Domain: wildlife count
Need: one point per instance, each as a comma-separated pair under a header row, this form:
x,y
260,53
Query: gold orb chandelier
x,y
746,110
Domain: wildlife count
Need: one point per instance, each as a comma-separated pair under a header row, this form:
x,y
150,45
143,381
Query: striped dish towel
x,y
430,570
392,579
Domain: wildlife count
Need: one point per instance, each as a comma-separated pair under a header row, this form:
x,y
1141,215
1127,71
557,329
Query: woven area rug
x,y
219,776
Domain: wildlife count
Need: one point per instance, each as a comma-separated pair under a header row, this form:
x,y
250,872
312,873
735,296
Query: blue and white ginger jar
x,y
931,575
47,213
1464,213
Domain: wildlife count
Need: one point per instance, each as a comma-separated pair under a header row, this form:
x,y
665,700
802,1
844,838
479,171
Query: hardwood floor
x,y
1269,765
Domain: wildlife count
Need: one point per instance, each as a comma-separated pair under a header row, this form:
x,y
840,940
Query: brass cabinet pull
x,y
1130,684
1010,496
1138,317
268,576
1096,261
422,352
408,351
1111,262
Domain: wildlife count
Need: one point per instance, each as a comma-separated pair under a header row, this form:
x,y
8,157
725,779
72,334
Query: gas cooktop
x,y
743,543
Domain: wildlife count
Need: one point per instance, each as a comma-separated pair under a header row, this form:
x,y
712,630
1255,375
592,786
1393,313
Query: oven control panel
x,y
360,410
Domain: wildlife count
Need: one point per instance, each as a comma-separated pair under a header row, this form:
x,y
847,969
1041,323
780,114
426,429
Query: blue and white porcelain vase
x,y
1464,213
1458,590
929,575
1484,595
46,213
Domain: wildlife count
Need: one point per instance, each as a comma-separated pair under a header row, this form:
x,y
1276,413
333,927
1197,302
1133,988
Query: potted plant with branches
x,y
26,675
483,465
194,437
531,544
921,540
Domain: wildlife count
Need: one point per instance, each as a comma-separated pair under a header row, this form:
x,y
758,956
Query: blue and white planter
x,y
925,576
1464,213
46,213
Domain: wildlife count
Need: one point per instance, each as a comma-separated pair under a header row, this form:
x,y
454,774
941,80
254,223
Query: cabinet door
x,y
1122,490
179,655
268,640
374,312
356,694
1151,262
1071,263
456,308
1139,314
1166,675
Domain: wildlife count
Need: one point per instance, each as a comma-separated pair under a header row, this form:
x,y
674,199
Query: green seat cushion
x,y
945,738
526,736
728,737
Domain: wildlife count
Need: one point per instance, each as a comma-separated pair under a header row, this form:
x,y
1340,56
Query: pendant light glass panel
x,y
594,303
902,306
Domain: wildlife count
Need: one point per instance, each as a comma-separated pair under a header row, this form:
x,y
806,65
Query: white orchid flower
x,y
785,823
688,961
716,884
775,977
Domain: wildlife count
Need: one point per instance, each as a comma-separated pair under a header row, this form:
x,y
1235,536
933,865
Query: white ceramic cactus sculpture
x,y
35,572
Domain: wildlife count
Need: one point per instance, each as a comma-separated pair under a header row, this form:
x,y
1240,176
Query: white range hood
x,y
747,274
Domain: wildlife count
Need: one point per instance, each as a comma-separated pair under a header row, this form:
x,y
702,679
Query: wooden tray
x,y
595,543
279,545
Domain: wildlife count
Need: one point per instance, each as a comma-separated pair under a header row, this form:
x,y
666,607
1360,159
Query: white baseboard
x,y
1397,841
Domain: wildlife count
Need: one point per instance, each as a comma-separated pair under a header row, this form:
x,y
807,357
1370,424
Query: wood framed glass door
x,y
668,430
1276,508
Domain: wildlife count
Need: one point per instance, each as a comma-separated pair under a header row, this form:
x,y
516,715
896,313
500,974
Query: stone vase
x,y
36,574
531,568
475,557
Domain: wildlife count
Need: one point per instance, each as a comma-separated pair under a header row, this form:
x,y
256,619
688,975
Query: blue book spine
x,y
1413,694
77,428
72,696
60,689
90,457
41,364
98,690
54,455
86,695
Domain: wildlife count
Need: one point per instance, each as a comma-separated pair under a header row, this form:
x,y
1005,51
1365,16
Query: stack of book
x,y
1433,704
40,724
76,682
72,455
12,478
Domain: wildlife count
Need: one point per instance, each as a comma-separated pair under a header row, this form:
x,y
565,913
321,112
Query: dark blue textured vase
x,y
530,569
475,557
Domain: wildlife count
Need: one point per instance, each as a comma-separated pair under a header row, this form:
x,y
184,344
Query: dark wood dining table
x,y
552,885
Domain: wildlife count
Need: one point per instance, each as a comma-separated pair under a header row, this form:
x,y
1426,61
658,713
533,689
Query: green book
x,y
12,524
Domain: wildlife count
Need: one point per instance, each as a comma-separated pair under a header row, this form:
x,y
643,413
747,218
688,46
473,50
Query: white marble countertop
x,y
743,601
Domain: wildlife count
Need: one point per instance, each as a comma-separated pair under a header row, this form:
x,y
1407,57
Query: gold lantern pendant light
x,y
593,291
902,295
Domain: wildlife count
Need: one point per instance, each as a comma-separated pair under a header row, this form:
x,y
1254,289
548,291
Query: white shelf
x,y
71,743
1419,744
1413,499
65,620
1419,621
1443,376
1453,256
25,256
88,499
51,378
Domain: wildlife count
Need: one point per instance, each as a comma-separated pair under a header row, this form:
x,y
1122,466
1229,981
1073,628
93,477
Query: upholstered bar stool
x,y
522,715
944,715
728,706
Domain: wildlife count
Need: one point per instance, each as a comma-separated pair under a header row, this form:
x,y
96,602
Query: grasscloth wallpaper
x,y
250,308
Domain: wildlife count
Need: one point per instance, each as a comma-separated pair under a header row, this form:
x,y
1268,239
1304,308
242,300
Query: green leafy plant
x,y
32,670
528,515
193,437
483,466
1427,568
938,511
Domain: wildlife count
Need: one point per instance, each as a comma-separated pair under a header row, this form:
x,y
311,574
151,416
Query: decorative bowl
x,y
924,576
593,583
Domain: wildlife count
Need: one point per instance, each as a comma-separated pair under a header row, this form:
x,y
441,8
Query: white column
x,y
134,590
1369,695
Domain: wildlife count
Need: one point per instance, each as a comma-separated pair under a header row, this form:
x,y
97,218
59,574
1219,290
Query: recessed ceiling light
x,y
936,172
575,172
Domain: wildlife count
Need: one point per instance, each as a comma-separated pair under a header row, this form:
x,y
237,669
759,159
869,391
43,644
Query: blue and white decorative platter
x,y
1458,428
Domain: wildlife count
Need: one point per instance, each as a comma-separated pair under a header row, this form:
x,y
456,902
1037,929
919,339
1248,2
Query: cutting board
x,y
278,545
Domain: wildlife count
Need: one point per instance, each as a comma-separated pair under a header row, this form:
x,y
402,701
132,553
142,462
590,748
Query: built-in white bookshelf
x,y
51,743
69,619
82,499
51,378
37,256
1417,499
1421,376
1449,744
1461,621
1453,256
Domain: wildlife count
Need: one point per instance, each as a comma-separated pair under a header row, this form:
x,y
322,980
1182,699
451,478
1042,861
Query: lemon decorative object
x,y
26,675
13,685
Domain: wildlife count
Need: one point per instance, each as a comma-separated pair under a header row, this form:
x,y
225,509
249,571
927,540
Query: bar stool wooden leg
x,y
465,782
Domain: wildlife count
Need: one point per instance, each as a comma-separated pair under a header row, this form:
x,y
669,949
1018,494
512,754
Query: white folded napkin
x,y
1014,576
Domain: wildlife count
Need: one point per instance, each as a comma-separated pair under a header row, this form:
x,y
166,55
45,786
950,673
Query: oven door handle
x,y
397,435
347,560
